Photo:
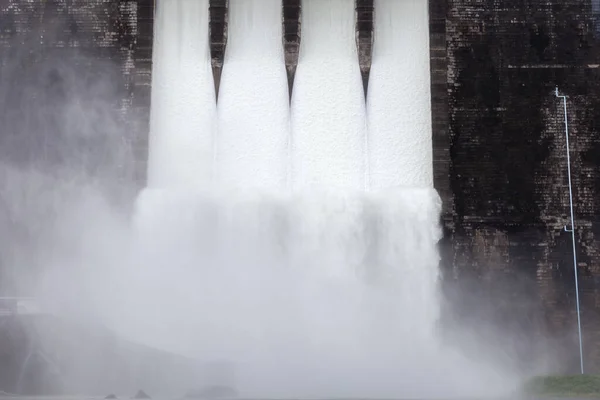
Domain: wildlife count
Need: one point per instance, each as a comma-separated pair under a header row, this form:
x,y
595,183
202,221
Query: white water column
x,y
183,114
328,108
399,99
253,132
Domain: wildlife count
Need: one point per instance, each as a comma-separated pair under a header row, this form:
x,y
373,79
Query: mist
x,y
324,293
211,282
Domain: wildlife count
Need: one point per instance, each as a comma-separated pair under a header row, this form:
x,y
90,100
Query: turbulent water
x,y
336,289
296,240
183,115
254,122
398,101
328,107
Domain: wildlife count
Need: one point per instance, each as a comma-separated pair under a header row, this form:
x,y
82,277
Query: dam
x,y
378,170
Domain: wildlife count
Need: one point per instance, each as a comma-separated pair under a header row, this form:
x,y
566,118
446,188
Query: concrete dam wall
x,y
499,152
501,166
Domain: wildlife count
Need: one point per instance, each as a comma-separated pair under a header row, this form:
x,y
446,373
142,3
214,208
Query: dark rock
x,y
111,397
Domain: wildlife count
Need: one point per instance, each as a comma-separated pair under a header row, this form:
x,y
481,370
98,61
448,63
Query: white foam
x,y
326,290
399,100
253,99
182,122
306,293
328,110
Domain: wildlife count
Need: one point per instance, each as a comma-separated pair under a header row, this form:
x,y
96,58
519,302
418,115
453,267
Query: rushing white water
x,y
253,99
309,294
328,108
327,289
399,100
183,114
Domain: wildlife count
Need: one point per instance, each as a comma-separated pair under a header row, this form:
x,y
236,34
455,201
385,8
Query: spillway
x,y
253,101
399,100
183,112
328,108
287,263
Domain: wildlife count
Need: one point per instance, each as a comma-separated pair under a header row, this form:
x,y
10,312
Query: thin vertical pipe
x,y
572,230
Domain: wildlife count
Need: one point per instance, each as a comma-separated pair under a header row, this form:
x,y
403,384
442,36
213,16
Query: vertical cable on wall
x,y
572,229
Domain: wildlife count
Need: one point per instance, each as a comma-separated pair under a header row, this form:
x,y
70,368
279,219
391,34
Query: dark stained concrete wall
x,y
217,26
292,32
500,166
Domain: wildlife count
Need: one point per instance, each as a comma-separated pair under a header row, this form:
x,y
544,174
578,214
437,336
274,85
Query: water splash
x,y
324,286
327,289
